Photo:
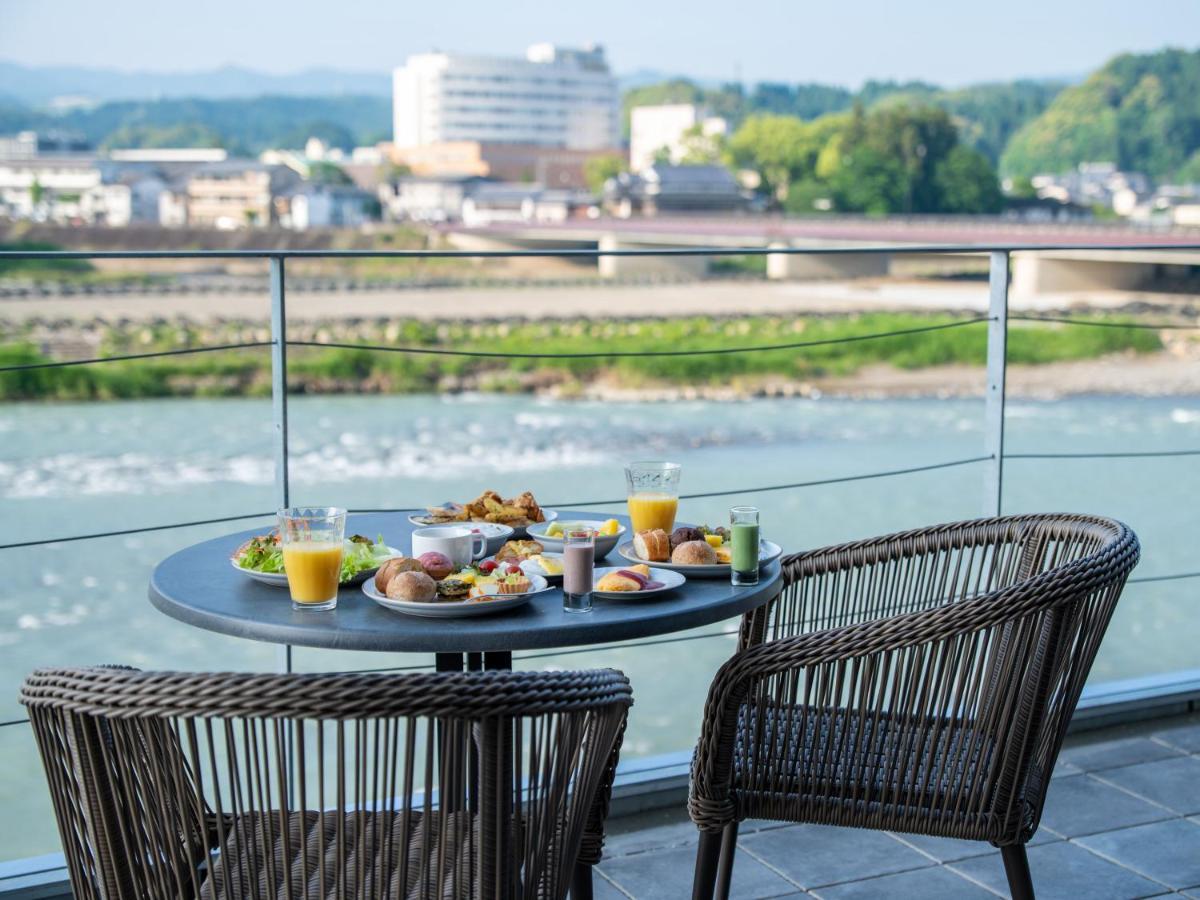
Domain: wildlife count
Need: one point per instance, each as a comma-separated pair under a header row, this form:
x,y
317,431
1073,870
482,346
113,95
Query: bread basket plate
x,y
279,579
605,543
515,532
670,581
458,609
767,551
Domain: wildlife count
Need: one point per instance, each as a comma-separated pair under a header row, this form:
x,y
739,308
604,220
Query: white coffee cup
x,y
461,546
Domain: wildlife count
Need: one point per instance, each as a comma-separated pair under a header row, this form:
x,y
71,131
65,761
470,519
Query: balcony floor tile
x,y
1168,852
1173,783
814,855
1063,870
1081,804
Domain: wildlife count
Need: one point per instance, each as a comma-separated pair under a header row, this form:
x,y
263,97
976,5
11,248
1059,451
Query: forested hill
x,y
1140,111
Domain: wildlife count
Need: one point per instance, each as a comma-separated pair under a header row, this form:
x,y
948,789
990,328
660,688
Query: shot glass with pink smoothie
x,y
579,562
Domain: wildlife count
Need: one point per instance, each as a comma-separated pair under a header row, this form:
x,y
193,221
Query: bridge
x,y
1055,268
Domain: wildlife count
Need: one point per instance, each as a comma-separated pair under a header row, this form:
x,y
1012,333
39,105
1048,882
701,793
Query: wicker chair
x,y
222,786
920,682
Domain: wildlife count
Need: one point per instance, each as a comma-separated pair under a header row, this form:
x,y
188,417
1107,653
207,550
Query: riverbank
x,y
856,355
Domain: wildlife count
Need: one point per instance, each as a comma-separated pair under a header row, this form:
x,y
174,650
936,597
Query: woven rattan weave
x,y
920,682
479,785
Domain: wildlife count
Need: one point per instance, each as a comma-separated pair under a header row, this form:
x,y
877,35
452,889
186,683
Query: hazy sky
x,y
838,41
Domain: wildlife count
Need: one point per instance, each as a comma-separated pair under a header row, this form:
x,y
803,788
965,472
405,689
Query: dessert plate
x,y
459,608
670,580
767,551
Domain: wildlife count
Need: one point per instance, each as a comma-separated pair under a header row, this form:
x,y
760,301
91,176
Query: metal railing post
x,y
279,409
997,365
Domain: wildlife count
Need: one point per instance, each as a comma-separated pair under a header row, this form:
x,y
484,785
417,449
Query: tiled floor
x,y
1122,820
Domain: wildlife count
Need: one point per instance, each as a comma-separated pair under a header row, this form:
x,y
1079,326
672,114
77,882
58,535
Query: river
x,y
92,467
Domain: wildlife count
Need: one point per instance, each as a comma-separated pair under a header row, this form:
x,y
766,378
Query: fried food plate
x,y
459,609
518,531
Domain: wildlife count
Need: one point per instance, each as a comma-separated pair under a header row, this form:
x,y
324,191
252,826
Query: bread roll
x,y
393,567
652,546
685,533
694,553
415,587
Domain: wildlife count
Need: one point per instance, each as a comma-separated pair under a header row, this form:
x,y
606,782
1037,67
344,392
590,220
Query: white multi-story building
x,y
660,131
554,97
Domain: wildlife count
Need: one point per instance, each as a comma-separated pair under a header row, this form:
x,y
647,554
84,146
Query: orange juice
x,y
649,510
313,569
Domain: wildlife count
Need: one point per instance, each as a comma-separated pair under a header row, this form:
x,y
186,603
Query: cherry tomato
x,y
488,566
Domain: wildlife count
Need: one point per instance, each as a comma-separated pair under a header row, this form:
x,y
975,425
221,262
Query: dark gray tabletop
x,y
200,587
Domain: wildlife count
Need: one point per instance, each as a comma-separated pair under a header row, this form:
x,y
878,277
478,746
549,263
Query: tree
x,y
870,181
700,149
328,173
967,183
598,169
781,149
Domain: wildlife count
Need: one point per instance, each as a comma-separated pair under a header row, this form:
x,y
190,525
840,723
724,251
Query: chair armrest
x,y
592,848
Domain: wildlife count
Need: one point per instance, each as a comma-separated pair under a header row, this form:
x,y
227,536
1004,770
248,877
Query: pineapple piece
x,y
714,540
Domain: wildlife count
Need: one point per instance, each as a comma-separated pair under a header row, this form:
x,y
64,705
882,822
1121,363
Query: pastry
x,y
515,584
518,550
394,567
653,546
694,553
685,533
415,587
437,565
452,588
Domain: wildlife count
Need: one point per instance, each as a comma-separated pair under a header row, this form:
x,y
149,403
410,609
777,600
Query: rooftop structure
x,y
554,97
660,131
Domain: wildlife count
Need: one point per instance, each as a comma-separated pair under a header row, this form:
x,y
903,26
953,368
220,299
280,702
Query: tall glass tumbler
x,y
579,563
743,535
652,491
313,542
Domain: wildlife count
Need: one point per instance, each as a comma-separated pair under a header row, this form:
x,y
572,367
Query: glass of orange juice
x,y
652,491
312,538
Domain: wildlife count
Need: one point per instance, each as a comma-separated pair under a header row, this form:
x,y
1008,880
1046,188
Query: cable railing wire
x,y
1145,579
127,531
1100,323
1113,454
608,354
183,351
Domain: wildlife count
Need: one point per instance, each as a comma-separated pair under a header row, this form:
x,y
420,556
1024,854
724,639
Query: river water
x,y
91,467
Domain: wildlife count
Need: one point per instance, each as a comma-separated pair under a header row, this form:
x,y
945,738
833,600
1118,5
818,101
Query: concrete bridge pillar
x,y
824,266
635,266
1036,273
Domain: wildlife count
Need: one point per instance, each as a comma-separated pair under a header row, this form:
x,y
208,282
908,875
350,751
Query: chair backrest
x,y
1014,610
415,785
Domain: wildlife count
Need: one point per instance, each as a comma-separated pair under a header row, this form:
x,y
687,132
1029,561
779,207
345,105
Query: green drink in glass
x,y
743,532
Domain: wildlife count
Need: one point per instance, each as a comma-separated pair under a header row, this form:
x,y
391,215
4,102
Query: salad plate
x,y
665,580
767,551
457,609
261,558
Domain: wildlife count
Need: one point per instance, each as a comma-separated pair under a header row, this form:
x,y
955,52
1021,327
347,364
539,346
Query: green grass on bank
x,y
318,370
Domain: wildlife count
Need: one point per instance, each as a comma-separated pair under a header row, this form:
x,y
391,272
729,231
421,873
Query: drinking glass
x,y
312,538
579,562
652,491
743,534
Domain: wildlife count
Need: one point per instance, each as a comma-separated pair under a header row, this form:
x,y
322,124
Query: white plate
x,y
279,579
460,608
605,543
669,579
494,542
767,551
529,567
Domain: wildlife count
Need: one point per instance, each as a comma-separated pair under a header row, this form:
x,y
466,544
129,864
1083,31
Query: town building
x,y
499,202
427,198
47,188
663,188
554,97
657,133
236,193
327,206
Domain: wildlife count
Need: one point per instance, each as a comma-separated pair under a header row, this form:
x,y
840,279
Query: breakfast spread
x,y
518,512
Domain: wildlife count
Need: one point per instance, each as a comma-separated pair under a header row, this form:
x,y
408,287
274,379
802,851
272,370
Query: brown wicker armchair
x,y
172,785
920,682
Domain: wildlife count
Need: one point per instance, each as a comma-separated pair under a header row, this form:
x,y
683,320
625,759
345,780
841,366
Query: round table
x,y
199,586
